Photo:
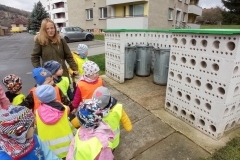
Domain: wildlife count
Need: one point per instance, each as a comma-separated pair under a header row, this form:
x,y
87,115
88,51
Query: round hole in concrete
x,y
171,74
175,40
193,42
183,112
175,108
183,60
168,104
235,70
208,106
231,46
203,64
209,86
193,62
202,122
197,101
198,83
213,128
233,124
221,90
216,44
188,97
215,66
173,58
233,108
179,76
204,43
183,40
192,117
227,126
179,93
188,80
170,89
236,89
226,111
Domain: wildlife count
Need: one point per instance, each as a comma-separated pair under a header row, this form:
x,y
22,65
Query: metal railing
x,y
180,25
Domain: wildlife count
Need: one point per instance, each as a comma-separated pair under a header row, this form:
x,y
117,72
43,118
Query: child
x,y
4,101
43,76
79,57
87,84
93,139
113,113
17,140
52,121
62,82
13,84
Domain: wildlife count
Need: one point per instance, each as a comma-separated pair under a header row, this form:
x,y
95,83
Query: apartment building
x,y
96,15
58,11
90,15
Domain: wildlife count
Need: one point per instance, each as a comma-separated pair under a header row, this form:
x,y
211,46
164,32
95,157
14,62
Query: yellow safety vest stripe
x,y
113,120
18,99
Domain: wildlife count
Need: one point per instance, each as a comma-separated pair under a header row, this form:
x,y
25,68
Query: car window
x,y
69,29
76,29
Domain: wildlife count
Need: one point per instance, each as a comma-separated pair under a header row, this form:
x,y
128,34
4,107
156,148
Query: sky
x,y
27,5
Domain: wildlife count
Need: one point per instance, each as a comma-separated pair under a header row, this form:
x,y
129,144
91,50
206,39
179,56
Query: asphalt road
x,y
15,57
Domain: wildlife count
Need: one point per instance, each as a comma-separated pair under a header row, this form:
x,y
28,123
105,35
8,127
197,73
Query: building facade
x,y
58,11
97,15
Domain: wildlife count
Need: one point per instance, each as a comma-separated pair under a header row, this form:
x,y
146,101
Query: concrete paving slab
x,y
175,147
145,133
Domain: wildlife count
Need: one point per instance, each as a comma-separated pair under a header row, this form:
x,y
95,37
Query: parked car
x,y
75,34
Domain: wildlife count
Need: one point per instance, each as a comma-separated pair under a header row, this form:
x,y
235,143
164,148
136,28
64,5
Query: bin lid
x,y
161,49
143,46
130,46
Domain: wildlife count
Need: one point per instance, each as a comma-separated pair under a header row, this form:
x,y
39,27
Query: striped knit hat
x,y
82,49
14,125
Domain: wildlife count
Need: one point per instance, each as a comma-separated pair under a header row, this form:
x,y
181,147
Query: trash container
x,y
130,59
143,61
161,64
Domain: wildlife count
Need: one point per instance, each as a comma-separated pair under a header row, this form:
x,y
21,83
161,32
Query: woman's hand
x,y
76,73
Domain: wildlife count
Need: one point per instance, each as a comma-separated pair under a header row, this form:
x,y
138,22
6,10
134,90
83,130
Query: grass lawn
x,y
100,60
230,152
99,37
220,27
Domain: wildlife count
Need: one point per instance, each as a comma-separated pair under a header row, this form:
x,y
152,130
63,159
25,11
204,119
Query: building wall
x,y
158,13
77,14
119,9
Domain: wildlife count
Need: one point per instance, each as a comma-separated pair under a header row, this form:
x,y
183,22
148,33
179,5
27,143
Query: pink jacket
x,y
103,133
4,101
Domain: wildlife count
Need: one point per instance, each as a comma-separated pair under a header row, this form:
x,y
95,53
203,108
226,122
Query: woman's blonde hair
x,y
43,37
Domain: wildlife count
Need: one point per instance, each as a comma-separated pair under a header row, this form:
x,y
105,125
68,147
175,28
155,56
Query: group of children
x,y
83,124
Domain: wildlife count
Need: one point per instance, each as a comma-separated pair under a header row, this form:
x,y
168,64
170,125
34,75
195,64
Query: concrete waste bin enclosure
x,y
203,84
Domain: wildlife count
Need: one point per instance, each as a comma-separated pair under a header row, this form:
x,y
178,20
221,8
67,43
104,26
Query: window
x,y
186,1
170,14
103,13
89,14
184,16
136,10
17,25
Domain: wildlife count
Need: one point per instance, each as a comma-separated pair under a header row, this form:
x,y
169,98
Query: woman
x,y
50,46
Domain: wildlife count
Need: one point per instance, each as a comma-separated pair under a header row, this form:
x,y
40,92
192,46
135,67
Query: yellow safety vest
x,y
18,99
113,120
63,85
87,150
56,137
79,62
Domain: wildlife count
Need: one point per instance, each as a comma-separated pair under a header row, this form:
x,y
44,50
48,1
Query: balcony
x,y
195,10
56,1
114,2
127,23
58,10
59,20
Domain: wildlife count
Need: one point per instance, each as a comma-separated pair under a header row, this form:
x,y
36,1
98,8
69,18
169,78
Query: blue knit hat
x,y
52,66
40,75
45,93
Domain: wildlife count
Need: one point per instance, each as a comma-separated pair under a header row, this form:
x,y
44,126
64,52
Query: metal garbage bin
x,y
161,64
130,59
144,59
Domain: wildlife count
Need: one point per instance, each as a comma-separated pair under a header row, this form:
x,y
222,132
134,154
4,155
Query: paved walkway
x,y
156,134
